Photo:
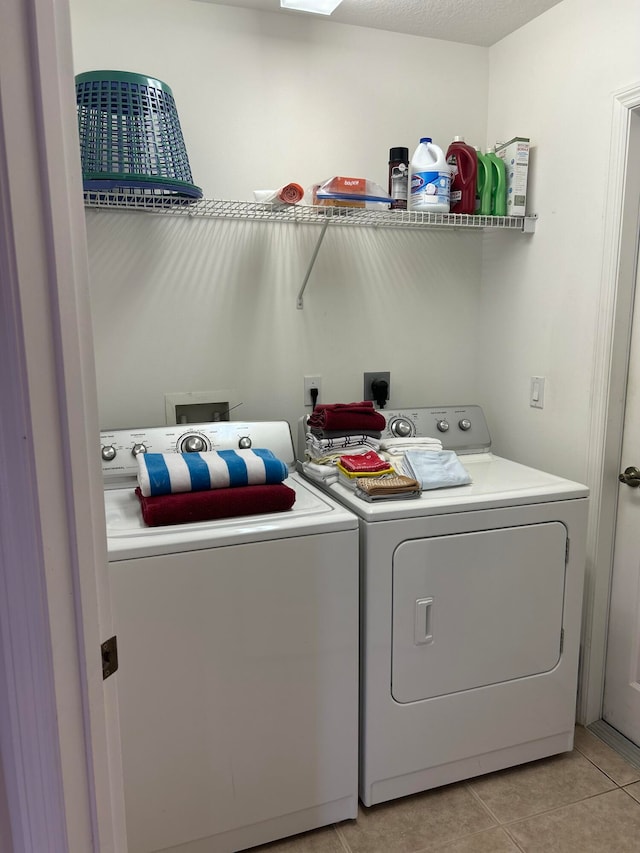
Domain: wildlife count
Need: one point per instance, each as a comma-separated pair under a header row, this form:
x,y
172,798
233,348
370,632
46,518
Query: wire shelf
x,y
304,214
168,204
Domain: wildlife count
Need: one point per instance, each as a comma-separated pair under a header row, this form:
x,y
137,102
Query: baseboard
x,y
622,745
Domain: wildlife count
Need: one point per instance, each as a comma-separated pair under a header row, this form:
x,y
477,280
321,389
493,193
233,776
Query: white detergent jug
x,y
429,179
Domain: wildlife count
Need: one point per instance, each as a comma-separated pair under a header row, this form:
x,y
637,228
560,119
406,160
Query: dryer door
x,y
476,609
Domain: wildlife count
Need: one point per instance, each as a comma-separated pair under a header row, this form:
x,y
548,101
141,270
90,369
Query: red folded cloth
x,y
186,507
369,461
342,416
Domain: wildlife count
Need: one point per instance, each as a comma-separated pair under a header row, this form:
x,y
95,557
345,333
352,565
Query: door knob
x,y
631,477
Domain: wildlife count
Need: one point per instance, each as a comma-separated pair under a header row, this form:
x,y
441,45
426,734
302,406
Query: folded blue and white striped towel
x,y
166,473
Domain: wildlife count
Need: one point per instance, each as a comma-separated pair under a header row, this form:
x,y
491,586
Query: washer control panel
x,y
460,428
120,447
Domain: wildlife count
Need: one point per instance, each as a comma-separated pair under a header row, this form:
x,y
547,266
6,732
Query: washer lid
x,y
496,482
129,537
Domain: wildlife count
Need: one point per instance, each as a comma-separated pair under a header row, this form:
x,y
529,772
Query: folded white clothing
x,y
324,474
394,445
396,460
168,473
436,470
348,482
321,446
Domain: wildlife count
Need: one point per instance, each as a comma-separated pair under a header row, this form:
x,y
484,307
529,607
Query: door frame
x,y
60,776
609,374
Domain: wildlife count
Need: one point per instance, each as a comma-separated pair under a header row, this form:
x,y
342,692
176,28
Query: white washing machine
x,y
471,602
238,657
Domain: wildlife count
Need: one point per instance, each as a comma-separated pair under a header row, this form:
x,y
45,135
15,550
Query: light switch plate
x,y
536,392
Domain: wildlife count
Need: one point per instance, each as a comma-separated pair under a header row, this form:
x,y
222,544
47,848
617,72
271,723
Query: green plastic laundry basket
x,y
130,135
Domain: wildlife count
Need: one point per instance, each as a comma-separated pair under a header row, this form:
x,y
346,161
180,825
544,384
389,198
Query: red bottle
x,y
463,161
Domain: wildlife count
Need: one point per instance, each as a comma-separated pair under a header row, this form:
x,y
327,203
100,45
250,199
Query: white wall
x,y
553,80
264,99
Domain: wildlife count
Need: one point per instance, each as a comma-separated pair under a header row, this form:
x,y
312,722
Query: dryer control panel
x,y
460,428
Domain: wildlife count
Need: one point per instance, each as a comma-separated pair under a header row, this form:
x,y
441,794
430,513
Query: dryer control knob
x,y
401,428
464,424
443,426
108,453
244,443
137,449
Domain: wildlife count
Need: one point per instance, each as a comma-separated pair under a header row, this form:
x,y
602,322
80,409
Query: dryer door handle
x,y
422,632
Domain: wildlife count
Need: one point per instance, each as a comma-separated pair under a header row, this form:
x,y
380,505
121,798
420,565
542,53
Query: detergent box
x,y
515,154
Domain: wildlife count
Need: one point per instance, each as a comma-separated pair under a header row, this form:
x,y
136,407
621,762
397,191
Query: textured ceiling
x,y
481,22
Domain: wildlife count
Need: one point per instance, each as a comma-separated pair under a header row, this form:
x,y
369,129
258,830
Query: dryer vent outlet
x,y
377,387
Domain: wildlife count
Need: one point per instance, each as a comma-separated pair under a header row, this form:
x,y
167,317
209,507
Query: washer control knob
x,y
464,424
193,444
137,449
401,428
244,443
108,452
443,425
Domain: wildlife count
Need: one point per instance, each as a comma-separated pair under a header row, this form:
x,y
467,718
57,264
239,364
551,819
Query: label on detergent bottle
x,y
455,195
430,188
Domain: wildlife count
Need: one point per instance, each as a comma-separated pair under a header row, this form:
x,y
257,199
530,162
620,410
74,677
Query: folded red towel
x,y
347,416
369,461
215,503
363,404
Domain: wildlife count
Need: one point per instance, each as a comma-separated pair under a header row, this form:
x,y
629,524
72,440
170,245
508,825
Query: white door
x,y
60,763
622,676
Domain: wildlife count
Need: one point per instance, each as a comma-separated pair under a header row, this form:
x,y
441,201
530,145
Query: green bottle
x,y
498,184
484,184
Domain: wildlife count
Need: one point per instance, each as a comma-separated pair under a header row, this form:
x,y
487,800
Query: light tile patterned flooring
x,y
585,801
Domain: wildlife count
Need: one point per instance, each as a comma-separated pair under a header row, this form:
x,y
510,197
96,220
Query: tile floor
x,y
585,801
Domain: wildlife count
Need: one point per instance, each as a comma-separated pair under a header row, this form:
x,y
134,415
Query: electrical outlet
x,y
369,378
309,383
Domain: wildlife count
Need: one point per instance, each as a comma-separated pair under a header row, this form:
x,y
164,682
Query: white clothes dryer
x,y
471,603
238,656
